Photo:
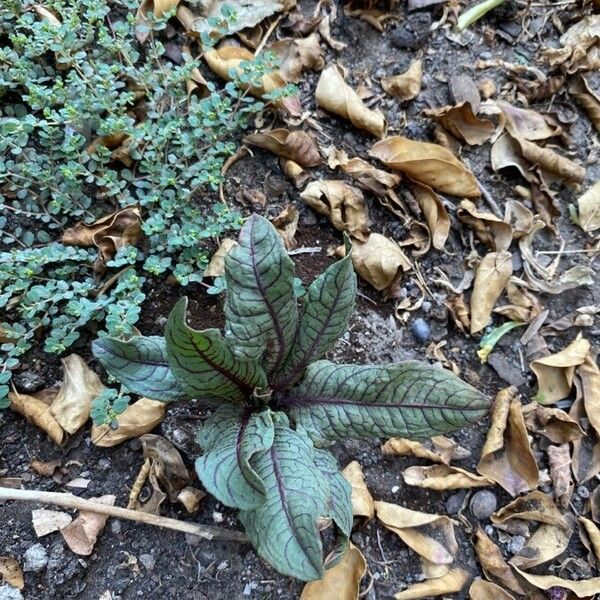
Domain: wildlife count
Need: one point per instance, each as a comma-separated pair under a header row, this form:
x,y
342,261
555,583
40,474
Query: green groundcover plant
x,y
278,405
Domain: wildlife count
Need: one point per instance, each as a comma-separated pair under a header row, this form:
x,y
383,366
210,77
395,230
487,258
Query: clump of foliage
x,y
73,82
278,405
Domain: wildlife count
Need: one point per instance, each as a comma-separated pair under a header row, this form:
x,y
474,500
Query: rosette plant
x,y
278,404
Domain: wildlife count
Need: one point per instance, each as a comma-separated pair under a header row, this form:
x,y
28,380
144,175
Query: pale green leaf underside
x,y
284,529
203,362
229,438
260,308
141,365
410,399
327,310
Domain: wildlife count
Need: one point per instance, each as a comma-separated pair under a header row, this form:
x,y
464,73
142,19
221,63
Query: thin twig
x,y
206,532
267,35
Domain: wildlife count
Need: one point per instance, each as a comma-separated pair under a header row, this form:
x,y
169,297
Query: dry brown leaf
x,y
294,172
443,477
45,469
506,457
552,162
11,573
297,55
286,224
535,506
82,533
553,423
489,229
407,85
559,459
506,153
109,234
47,15
216,265
493,564
297,146
379,261
548,542
137,419
462,122
431,536
593,533
580,47
225,59
582,589
589,209
158,8
589,376
459,312
527,124
362,501
486,590
336,96
519,217
434,212
438,449
581,90
450,583
427,163
586,450
341,203
369,177
190,497
47,521
37,411
555,373
340,582
120,145
492,275
524,306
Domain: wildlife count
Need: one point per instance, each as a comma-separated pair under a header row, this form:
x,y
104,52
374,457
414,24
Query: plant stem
x,y
207,532
475,13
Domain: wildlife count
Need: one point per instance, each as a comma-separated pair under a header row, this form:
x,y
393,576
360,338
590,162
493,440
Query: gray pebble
x,y
516,544
583,492
483,504
115,526
104,464
426,306
148,561
455,502
28,381
420,330
8,592
36,558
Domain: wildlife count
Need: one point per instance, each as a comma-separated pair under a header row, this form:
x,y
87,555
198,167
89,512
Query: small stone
x,y
115,526
395,489
148,561
583,492
455,502
36,558
8,592
420,330
426,306
218,516
28,381
222,565
135,444
516,544
104,464
483,504
247,590
192,540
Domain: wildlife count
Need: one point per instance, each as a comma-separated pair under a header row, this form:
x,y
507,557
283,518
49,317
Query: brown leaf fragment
x,y
47,521
407,85
452,582
589,209
45,469
527,124
362,501
519,217
462,122
216,265
341,203
492,275
506,457
293,145
486,590
584,588
489,229
553,423
552,162
47,15
459,312
82,533
524,307
368,177
190,497
137,419
494,566
158,8
11,572
581,90
434,212
340,582
593,533
294,172
588,374
334,95
297,55
535,506
506,153
439,449
555,373
559,459
286,224
36,411
443,477
427,163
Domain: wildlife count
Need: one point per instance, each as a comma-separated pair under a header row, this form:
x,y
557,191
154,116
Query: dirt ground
x,y
136,561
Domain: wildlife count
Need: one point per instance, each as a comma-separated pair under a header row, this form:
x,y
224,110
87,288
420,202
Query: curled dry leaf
x,y
459,312
340,582
293,145
118,143
450,583
297,55
489,229
589,385
407,85
216,265
486,590
428,164
523,306
137,419
443,477
379,261
190,497
586,450
45,469
584,588
286,223
431,536
109,234
506,457
226,59
294,172
158,8
82,533
527,124
548,542
462,122
559,460
47,521
434,212
492,275
362,501
341,203
438,449
555,373
552,162
493,564
593,533
336,96
589,209
519,217
369,177
581,90
11,573
535,506
553,423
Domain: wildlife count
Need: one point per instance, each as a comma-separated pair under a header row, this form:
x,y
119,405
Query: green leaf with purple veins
x,y
410,399
229,438
203,362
